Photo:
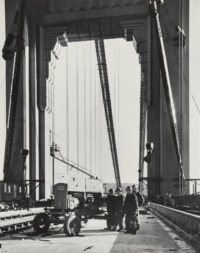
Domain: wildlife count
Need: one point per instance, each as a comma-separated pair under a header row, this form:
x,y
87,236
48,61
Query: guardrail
x,y
186,221
193,200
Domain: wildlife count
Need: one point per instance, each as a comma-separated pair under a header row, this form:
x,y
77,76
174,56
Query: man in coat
x,y
138,194
111,208
119,208
130,210
140,202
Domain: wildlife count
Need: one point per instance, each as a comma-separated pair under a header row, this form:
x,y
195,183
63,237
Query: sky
x,y
87,130
124,77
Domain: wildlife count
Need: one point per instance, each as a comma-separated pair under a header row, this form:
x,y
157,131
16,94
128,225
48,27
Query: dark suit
x,y
119,210
111,207
130,210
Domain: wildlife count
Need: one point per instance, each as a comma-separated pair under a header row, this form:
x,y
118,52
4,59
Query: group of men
x,y
119,207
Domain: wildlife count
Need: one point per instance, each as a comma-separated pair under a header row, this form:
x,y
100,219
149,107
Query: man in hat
x,y
140,199
119,208
130,210
111,208
138,194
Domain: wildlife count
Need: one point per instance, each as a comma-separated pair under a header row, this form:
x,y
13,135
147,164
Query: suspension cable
x,y
84,105
90,86
67,102
101,59
77,102
118,97
95,123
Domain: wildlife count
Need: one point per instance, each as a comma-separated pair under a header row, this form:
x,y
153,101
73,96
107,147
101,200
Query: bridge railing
x,y
192,200
188,222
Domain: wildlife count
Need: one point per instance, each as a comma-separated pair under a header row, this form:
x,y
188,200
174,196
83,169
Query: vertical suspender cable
x,y
114,91
90,85
99,129
101,132
95,124
167,87
67,103
101,59
77,102
14,90
53,135
118,98
84,101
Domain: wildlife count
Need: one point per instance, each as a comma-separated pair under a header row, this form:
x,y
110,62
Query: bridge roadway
x,y
153,236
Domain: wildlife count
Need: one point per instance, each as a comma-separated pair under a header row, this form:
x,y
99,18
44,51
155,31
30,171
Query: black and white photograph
x,y
99,126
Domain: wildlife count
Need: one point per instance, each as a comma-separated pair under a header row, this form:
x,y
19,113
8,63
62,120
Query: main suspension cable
x,y
101,59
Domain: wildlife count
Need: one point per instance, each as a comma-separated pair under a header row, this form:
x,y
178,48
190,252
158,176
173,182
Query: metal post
x,y
52,153
167,88
195,186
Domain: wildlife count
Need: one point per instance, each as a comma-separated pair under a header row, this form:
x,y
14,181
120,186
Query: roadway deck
x,y
154,236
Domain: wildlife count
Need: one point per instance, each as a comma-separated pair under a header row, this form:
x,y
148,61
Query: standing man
x,y
111,208
119,208
138,194
140,202
130,210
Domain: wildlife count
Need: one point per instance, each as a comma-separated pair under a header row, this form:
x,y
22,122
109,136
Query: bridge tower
x,y
50,24
163,171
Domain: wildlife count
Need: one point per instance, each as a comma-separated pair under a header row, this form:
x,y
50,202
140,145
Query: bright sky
x,y
124,83
91,135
